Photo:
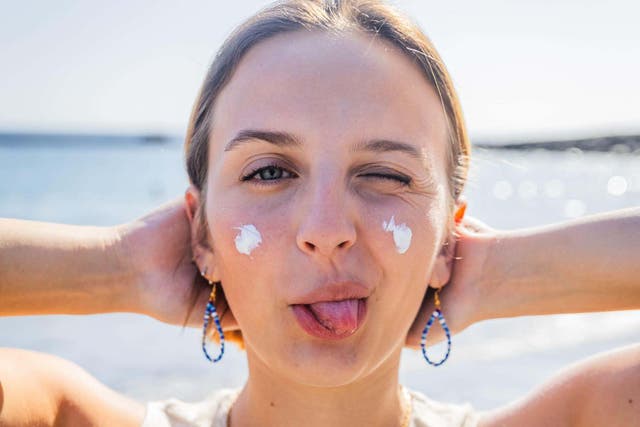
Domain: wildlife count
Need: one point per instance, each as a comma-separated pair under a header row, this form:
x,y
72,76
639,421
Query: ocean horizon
x,y
623,143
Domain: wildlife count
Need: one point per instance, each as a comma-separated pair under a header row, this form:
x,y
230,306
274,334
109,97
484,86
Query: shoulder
x,y
55,391
432,413
601,390
212,411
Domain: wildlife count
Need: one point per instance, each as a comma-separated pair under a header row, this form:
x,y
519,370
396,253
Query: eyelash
x,y
251,175
402,179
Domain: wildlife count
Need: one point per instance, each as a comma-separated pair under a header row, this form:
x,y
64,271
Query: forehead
x,y
332,89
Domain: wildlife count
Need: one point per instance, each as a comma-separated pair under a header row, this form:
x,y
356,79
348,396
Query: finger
x,y
474,225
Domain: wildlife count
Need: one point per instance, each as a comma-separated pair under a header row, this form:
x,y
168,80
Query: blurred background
x,y
95,98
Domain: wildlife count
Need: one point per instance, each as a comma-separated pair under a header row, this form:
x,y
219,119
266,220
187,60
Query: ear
x,y
200,246
443,266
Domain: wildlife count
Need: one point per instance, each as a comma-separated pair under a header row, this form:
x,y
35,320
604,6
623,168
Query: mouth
x,y
331,320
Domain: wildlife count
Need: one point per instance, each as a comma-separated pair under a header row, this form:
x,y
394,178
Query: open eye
x,y
271,173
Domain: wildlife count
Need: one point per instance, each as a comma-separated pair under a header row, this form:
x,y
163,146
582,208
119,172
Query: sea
x,y
107,180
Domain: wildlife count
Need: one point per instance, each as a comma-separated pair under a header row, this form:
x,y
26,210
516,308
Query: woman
x,y
327,156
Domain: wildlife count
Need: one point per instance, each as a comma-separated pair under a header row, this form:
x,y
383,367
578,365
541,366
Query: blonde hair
x,y
371,17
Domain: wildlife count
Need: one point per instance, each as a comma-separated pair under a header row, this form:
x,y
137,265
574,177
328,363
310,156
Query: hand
x,y
167,285
462,298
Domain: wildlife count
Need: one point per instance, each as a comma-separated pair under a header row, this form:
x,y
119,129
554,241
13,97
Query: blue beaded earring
x,y
436,313
209,313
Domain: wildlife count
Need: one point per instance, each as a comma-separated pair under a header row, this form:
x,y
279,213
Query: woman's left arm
x,y
602,390
584,265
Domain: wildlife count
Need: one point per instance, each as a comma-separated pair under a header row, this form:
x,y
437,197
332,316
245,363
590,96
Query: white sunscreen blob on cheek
x,y
401,234
247,239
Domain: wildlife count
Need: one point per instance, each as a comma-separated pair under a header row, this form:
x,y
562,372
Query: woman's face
x,y
325,201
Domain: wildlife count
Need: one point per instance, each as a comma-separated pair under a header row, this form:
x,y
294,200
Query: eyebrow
x,y
282,139
285,139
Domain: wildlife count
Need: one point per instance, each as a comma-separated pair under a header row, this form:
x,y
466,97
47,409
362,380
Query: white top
x,y
213,411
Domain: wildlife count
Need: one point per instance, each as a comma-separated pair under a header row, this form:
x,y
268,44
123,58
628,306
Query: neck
x,y
375,400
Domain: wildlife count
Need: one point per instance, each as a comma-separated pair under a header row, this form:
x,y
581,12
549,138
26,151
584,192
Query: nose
x,y
327,223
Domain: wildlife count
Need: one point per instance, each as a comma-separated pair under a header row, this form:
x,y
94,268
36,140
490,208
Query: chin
x,y
313,363
321,364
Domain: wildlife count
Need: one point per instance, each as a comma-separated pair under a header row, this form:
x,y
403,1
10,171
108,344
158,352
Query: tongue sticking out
x,y
337,316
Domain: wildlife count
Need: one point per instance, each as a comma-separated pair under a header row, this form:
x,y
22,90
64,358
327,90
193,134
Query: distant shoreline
x,y
84,139
613,143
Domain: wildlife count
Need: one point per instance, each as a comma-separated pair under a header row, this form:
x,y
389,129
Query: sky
x,y
525,70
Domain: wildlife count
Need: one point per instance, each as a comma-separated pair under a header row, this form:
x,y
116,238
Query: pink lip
x,y
308,322
331,291
335,291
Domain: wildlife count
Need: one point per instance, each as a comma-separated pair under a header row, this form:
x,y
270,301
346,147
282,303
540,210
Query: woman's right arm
x,y
50,268
60,269
144,266
41,389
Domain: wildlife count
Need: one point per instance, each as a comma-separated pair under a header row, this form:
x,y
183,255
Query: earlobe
x,y
441,272
442,268
201,250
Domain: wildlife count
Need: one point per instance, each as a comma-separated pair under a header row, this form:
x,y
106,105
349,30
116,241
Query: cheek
x,y
245,243
405,230
402,244
247,239
401,232
405,242
244,231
